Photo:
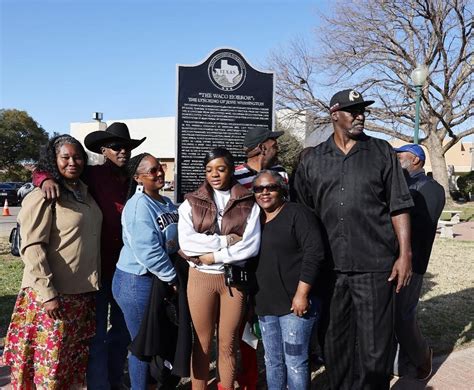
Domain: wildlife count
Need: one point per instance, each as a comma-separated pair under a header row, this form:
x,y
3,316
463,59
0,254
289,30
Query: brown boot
x,y
423,372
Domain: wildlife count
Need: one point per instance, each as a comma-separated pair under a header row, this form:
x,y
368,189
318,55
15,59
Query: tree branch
x,y
458,137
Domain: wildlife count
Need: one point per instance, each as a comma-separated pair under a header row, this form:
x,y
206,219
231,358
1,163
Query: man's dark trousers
x,y
362,309
412,343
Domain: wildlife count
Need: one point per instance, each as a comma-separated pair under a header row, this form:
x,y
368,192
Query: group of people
x,y
111,264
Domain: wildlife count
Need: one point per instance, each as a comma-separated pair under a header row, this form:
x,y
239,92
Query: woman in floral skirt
x,y
53,319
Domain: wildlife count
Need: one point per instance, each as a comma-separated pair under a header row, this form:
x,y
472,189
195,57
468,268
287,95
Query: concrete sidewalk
x,y
454,371
464,231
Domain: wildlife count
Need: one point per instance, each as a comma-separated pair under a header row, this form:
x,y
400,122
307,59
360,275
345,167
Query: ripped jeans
x,y
286,341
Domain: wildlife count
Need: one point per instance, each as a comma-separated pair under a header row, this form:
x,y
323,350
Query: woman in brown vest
x,y
218,224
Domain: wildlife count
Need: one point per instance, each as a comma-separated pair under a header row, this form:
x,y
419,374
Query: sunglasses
x,y
117,147
269,188
356,112
151,172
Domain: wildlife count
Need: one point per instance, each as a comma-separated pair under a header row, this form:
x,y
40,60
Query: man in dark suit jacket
x,y
429,200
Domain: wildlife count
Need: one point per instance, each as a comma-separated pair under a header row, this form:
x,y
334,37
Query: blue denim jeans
x,y
132,293
286,341
108,349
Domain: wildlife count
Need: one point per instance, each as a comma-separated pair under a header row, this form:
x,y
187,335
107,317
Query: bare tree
x,y
373,45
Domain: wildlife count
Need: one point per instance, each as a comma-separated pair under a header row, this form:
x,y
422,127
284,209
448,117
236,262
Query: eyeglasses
x,y
151,172
117,147
355,112
269,188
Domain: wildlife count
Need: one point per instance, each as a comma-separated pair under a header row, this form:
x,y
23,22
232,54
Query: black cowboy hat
x,y
117,131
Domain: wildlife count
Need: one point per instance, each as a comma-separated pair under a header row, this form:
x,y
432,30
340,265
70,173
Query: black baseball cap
x,y
257,135
348,98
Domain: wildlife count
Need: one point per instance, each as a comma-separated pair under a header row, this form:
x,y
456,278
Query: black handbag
x,y
242,278
15,240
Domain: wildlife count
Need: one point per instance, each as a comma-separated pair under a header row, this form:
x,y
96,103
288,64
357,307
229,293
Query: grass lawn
x,y
467,210
446,310
11,269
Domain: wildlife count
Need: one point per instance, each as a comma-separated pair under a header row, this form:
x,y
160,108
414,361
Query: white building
x,y
160,140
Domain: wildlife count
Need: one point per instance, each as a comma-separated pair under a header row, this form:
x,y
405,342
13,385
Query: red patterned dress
x,y
46,353
60,251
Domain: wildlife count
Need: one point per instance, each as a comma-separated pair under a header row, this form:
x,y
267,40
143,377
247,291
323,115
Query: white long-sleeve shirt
x,y
196,244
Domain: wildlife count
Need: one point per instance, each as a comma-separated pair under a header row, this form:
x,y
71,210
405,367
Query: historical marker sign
x,y
218,100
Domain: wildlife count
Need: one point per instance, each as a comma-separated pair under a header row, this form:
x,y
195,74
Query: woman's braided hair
x,y
131,169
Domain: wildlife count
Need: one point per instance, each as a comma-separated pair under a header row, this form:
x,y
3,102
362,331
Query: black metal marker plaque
x,y
218,101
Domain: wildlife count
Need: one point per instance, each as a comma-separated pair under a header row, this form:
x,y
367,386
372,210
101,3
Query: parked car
x,y
8,192
16,184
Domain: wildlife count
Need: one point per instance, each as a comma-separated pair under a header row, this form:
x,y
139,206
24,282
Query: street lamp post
x,y
418,76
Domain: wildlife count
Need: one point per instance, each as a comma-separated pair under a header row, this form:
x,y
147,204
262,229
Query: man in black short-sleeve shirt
x,y
356,187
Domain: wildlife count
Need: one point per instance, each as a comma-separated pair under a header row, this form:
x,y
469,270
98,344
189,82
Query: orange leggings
x,y
210,304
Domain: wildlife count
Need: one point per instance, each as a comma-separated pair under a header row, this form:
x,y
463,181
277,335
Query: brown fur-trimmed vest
x,y
236,212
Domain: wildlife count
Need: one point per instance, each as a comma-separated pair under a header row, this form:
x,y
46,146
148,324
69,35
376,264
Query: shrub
x,y
465,184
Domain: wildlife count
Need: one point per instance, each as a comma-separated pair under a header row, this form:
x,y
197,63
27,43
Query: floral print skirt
x,y
45,353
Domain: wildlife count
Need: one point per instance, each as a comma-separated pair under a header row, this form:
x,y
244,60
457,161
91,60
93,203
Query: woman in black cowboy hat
x,y
108,184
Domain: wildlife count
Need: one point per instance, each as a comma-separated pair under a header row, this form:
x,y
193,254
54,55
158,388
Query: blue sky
x,y
62,60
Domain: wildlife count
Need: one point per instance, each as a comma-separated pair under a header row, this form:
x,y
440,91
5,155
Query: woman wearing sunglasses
x,y
291,256
218,225
150,236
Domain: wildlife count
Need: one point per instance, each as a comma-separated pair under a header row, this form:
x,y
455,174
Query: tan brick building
x,y
460,156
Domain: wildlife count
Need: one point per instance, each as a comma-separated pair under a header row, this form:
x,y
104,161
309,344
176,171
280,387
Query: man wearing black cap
x,y
261,148
429,200
108,184
356,187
